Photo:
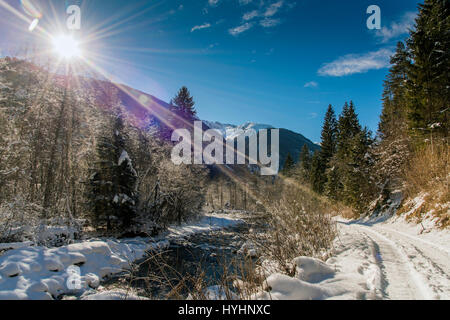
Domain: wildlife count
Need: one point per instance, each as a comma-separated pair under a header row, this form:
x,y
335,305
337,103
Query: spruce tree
x,y
429,77
348,178
328,149
348,128
393,116
288,165
316,173
112,192
184,103
329,136
305,158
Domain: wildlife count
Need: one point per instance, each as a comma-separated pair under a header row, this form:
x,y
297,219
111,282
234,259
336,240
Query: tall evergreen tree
x,y
328,149
288,165
184,102
349,175
112,185
329,136
393,117
429,77
316,173
348,128
305,158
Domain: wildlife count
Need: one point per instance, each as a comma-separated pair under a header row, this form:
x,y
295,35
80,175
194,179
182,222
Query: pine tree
x,y
346,169
329,136
333,186
184,103
316,173
428,76
394,113
328,149
112,184
288,165
305,159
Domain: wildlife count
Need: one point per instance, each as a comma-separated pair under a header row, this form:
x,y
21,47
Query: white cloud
x,y
245,2
202,26
311,84
213,2
273,9
397,29
250,15
269,23
239,29
357,63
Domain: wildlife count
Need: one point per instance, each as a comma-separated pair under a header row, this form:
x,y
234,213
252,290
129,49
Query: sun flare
x,y
66,47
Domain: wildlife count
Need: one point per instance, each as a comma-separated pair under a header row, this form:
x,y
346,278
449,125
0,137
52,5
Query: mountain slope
x,y
290,141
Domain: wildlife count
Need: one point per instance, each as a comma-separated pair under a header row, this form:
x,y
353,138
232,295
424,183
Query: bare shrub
x,y
20,221
299,224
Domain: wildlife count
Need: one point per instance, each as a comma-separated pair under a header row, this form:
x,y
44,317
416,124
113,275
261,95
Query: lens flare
x,y
31,8
33,25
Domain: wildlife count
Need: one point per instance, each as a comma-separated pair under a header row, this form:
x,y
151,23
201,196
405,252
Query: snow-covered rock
x,y
47,273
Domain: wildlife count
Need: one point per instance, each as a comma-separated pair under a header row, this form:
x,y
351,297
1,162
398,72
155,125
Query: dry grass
x,y
235,280
428,174
300,223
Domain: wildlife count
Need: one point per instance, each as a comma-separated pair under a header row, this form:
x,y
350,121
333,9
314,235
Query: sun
x,y
66,47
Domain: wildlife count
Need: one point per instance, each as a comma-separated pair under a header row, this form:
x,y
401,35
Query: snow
x,y
15,245
117,294
372,259
47,273
37,273
230,132
124,157
248,249
206,223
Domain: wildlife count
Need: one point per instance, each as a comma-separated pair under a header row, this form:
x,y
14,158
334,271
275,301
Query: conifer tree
x,y
329,136
112,185
428,75
393,117
305,158
288,165
328,149
316,173
184,102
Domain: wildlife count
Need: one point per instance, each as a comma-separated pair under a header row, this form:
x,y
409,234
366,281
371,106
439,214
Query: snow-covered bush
x,y
180,195
20,221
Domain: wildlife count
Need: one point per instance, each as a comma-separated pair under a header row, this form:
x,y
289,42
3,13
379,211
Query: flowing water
x,y
200,260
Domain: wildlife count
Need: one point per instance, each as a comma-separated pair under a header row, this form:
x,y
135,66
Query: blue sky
x,y
279,62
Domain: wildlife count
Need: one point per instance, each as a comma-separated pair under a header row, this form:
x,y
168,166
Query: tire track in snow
x,y
429,260
417,239
403,280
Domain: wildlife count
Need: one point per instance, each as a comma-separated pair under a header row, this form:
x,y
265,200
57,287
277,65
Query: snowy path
x,y
411,267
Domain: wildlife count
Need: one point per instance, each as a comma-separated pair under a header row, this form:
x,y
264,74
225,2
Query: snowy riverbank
x,y
29,272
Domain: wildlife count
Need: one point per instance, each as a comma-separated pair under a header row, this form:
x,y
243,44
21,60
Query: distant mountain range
x,y
290,141
145,106
149,109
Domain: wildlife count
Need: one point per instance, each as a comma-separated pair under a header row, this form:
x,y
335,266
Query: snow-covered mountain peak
x,y
230,131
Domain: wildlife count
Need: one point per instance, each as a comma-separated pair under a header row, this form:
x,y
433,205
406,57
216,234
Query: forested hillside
x,y
410,153
70,150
